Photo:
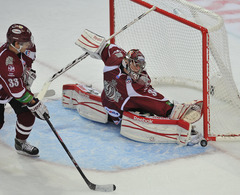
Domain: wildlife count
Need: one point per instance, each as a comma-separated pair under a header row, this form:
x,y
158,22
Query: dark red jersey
x,y
121,93
12,67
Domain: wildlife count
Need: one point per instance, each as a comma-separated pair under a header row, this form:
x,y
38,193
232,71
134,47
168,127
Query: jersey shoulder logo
x,y
118,54
9,61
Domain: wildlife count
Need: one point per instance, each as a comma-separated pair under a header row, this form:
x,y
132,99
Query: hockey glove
x,y
92,43
28,77
190,112
38,109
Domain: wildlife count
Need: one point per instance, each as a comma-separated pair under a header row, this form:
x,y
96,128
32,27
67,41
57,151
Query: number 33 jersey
x,y
12,68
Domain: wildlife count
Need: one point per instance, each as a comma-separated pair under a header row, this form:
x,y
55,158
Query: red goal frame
x,y
205,58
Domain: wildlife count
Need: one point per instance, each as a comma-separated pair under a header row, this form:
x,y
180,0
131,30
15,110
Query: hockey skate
x,y
196,138
25,148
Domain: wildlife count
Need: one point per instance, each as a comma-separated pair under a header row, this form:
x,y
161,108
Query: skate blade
x,y
26,154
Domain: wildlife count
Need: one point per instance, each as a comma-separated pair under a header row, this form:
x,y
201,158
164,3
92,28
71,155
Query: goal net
x,y
184,45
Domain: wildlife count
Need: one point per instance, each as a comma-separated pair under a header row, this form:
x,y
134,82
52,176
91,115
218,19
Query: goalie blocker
x,y
135,126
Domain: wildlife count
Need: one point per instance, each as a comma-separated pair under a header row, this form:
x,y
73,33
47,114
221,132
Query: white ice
x,y
56,25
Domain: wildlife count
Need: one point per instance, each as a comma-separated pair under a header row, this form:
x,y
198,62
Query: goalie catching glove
x,y
190,112
91,43
38,109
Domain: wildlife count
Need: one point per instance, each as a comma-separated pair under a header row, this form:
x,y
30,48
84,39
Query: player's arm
x,y
97,48
144,79
21,94
29,75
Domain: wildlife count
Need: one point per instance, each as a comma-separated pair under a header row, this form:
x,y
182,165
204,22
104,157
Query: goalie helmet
x,y
19,33
134,62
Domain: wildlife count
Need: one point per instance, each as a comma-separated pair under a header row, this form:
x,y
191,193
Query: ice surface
x,y
104,155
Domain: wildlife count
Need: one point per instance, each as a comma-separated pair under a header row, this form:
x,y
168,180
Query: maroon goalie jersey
x,y
12,68
121,93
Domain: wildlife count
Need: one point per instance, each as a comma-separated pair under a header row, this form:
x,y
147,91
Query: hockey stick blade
x,y
101,188
49,93
43,91
105,188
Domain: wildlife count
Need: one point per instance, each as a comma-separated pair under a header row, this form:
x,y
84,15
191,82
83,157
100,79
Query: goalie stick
x,y
92,186
82,57
49,93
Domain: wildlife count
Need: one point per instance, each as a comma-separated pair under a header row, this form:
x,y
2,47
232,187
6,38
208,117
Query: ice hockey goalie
x,y
138,126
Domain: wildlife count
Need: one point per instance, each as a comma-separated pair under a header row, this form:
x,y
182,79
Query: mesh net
x,y
173,52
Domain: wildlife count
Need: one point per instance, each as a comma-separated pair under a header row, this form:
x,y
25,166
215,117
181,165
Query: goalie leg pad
x,y
189,112
153,129
69,97
86,100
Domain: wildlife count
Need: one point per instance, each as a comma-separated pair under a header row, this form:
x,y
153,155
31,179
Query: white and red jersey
x,y
121,93
12,67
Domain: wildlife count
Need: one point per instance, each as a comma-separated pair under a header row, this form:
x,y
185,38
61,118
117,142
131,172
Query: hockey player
x,y
127,85
16,78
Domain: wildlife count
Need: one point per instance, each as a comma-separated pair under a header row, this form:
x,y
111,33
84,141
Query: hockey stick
x,y
49,93
102,188
82,57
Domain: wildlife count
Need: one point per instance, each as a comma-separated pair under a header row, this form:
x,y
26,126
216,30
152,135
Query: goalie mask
x,y
134,62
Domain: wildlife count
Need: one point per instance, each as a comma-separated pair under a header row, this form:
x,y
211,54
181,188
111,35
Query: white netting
x,y
173,53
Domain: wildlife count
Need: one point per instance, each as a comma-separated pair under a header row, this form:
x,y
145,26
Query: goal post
x,y
185,45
